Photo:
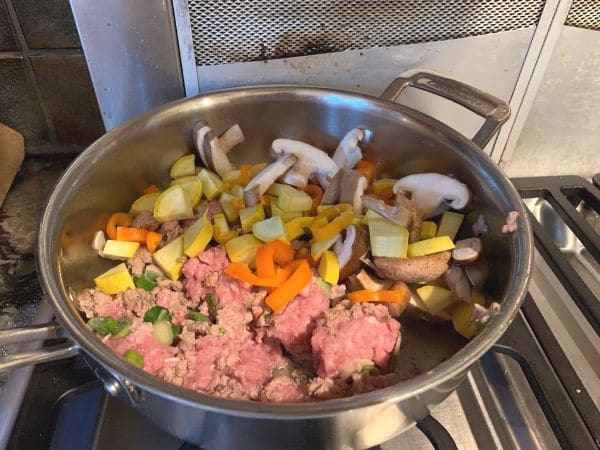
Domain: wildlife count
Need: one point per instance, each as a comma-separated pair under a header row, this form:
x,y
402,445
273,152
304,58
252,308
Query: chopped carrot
x,y
396,295
245,174
316,193
132,234
238,204
270,253
298,280
152,189
118,219
367,168
152,241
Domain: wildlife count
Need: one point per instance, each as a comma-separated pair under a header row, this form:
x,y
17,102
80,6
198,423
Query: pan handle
x,y
30,354
494,110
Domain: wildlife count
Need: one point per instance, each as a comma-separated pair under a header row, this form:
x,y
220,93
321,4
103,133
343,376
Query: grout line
x,y
29,68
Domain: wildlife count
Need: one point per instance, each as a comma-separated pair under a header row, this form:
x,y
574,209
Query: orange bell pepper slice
x,y
245,174
152,241
367,168
242,272
304,253
316,193
270,253
118,219
238,204
152,189
132,234
321,233
395,295
283,294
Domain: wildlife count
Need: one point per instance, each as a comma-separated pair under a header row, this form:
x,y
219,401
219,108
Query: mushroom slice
x,y
352,188
265,178
331,196
397,308
467,250
348,153
417,269
478,273
457,281
367,281
356,245
322,165
299,174
396,213
210,150
232,137
429,190
417,217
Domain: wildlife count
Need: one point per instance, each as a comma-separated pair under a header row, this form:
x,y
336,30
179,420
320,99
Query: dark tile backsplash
x,y
45,88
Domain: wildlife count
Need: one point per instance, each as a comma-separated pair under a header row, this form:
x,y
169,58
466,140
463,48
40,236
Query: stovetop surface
x,y
537,388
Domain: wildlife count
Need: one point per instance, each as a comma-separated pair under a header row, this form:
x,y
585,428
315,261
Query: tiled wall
x,y
45,88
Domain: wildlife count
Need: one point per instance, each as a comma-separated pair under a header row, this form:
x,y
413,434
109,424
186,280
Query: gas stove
x,y
538,387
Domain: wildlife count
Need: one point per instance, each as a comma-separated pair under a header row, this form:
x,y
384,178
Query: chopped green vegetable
x,y
293,200
323,285
124,328
268,315
197,316
157,313
163,332
103,325
477,324
370,369
134,358
222,331
147,281
175,329
211,300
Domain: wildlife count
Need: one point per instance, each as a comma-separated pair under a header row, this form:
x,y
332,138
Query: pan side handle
x,y
27,356
494,110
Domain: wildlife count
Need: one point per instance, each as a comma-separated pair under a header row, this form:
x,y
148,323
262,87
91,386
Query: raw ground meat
x,y
350,335
137,263
480,227
170,230
145,220
511,223
94,303
283,389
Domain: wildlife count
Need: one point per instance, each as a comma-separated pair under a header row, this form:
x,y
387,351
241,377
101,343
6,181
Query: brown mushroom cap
x,y
397,214
331,196
397,308
360,246
467,251
417,269
457,281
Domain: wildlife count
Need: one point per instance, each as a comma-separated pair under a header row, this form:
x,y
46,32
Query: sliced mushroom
x,y
265,178
232,137
417,269
467,251
210,150
322,165
371,283
396,213
397,308
478,273
348,153
99,241
417,217
430,190
457,281
352,188
358,246
299,174
331,196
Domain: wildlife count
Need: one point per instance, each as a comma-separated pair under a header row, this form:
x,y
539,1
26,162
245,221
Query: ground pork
x,y
294,326
365,382
145,220
480,227
137,301
321,388
350,335
170,230
283,389
137,263
511,223
94,303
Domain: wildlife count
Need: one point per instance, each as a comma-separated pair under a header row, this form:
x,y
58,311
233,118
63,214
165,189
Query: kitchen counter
x,y
20,292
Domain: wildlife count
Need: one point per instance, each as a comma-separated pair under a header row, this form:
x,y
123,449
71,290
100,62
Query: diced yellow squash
x,y
339,207
274,189
435,298
192,187
318,247
293,200
297,227
329,267
243,248
270,229
383,183
221,231
387,238
428,230
183,167
119,249
450,224
462,319
197,237
173,204
372,215
226,201
115,280
429,246
255,169
212,185
144,203
285,216
237,191
250,215
232,177
170,258
477,297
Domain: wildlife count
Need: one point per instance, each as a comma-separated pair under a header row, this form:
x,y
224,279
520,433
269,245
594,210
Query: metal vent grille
x,y
584,14
227,31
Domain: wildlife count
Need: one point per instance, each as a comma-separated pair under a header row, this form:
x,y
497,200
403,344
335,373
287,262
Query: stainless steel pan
x,y
111,172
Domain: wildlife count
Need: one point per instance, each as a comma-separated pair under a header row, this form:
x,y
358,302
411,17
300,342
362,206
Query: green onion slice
x,y
134,358
147,281
211,300
157,313
197,316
